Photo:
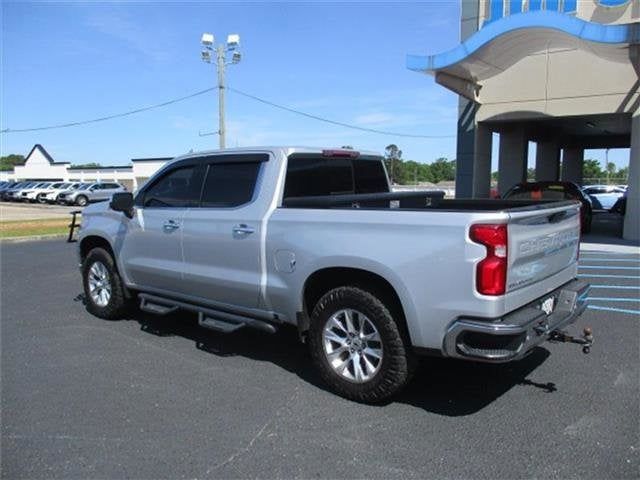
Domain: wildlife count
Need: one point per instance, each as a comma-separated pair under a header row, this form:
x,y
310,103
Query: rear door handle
x,y
171,225
243,229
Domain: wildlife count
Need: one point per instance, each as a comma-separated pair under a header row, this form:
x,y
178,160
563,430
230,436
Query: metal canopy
x,y
502,43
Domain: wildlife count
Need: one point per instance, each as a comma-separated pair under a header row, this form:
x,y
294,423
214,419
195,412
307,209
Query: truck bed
x,y
433,201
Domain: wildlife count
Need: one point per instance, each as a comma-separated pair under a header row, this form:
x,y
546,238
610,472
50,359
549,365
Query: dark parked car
x,y
554,191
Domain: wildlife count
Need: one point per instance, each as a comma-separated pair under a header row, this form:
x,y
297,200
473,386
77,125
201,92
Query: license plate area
x,y
548,305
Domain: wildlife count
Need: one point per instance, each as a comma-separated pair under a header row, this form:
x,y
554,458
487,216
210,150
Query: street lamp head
x,y
207,39
233,40
206,56
237,56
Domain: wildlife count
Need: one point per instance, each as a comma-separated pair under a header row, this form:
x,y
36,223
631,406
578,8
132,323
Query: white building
x,y
39,165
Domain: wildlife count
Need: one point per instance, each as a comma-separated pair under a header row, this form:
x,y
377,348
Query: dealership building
x,y
39,165
561,73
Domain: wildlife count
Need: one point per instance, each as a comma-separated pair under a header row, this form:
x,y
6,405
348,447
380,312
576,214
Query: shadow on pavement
x,y
441,386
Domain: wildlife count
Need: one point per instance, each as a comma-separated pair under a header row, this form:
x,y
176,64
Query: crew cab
x,y
274,236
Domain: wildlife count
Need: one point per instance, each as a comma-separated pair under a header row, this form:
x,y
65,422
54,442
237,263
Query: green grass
x,y
27,228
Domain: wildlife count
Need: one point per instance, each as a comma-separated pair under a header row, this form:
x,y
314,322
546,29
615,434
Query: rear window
x,y
319,176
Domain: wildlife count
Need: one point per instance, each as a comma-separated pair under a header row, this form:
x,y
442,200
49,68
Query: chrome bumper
x,y
513,336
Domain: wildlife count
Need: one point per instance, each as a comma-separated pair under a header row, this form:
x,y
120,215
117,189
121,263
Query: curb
x,y
51,236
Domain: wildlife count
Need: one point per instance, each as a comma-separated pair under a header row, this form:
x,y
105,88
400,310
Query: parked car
x,y
4,192
31,194
93,192
621,205
554,191
604,197
14,194
51,195
266,237
6,186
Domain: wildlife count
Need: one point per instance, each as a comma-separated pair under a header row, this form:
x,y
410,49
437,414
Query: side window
x,y
229,184
308,177
177,188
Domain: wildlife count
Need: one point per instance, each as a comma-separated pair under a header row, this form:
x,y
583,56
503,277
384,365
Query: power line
x,y
334,122
110,117
239,92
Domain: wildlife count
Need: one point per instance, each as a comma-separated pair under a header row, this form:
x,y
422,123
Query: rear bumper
x,y
514,335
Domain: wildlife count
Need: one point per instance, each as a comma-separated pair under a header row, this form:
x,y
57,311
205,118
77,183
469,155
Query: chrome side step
x,y
223,322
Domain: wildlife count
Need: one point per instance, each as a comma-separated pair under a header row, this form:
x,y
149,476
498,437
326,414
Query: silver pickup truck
x,y
268,237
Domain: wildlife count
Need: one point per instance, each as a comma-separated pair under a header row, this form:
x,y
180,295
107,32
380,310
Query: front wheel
x,y
358,347
103,288
81,201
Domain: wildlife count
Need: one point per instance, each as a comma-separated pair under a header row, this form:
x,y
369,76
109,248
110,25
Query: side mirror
x,y
122,202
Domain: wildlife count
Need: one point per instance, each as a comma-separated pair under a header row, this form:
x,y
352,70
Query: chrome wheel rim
x,y
352,345
99,284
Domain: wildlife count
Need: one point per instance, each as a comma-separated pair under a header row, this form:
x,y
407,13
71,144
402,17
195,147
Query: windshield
x,y
84,186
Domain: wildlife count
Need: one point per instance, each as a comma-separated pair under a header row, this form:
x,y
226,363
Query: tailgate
x,y
542,242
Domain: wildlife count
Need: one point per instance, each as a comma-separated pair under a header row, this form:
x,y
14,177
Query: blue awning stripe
x,y
576,27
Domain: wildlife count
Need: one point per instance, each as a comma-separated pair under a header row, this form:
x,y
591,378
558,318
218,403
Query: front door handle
x,y
243,229
171,225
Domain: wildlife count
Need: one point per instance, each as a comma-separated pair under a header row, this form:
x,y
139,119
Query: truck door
x,y
222,236
152,247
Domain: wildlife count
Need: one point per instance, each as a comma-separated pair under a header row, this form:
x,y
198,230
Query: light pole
x,y
232,46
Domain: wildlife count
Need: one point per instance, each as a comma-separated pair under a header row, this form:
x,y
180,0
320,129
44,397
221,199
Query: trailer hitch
x,y
586,340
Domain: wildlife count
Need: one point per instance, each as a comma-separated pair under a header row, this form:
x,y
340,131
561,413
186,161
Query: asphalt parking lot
x,y
161,398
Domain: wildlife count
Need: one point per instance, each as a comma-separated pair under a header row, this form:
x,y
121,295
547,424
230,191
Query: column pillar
x,y
572,160
631,229
512,164
547,161
466,139
482,161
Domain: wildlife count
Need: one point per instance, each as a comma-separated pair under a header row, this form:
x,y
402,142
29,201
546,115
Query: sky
x,y
64,62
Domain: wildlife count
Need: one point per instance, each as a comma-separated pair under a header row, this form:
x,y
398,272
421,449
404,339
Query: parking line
x,y
613,299
608,276
591,259
617,287
605,267
612,309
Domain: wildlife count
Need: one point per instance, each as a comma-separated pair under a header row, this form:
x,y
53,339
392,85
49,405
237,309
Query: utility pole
x,y
221,66
232,46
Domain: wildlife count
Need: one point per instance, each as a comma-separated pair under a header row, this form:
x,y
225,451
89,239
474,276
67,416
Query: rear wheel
x,y
81,201
358,347
41,198
103,288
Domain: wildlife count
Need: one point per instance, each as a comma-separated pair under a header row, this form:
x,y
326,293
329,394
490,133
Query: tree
x,y
8,162
443,170
392,154
591,169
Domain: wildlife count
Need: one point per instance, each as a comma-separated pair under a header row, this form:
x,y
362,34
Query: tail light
x,y
491,273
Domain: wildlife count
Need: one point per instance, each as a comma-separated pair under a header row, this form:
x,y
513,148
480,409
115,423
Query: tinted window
x,y
318,176
229,184
334,176
370,176
177,188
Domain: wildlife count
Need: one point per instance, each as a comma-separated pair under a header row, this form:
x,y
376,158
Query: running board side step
x,y
208,318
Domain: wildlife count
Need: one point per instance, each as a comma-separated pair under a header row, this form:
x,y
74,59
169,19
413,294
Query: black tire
x,y
397,364
40,198
81,200
118,303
